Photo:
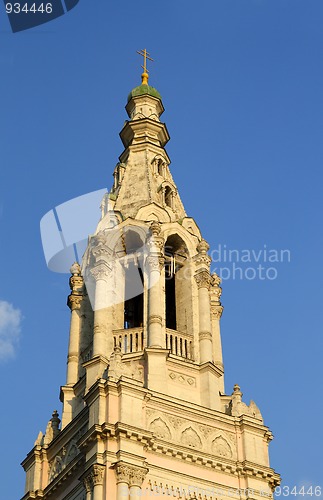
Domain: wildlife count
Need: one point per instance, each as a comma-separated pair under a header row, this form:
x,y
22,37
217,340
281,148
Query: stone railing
x,y
129,340
179,343
132,340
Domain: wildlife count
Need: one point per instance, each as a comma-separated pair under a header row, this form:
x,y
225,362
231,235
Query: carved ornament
x,y
74,301
203,279
101,272
217,311
130,474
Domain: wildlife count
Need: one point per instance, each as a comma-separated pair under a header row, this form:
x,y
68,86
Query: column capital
x,y
123,472
101,271
97,474
88,484
74,301
130,474
203,279
155,263
217,311
137,476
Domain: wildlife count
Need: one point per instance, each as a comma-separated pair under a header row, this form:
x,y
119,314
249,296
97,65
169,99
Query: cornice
x,y
224,465
128,131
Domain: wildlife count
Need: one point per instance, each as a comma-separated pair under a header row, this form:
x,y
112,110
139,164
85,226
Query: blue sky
x,y
242,83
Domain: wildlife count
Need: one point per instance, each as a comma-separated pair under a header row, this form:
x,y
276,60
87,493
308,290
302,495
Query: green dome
x,y
142,90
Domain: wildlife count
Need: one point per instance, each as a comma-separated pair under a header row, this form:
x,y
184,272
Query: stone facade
x,y
145,413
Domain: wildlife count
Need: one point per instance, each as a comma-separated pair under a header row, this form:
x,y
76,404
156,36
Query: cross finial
x,y
145,55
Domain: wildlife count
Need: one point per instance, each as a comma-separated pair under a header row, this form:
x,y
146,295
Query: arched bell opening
x,y
133,281
178,297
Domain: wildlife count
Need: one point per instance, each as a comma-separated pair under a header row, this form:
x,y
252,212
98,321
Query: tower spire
x,y
145,75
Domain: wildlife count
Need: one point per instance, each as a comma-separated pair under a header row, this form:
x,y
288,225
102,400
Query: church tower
x,y
145,413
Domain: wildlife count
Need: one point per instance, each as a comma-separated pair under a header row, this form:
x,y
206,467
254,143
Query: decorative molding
x,y
205,336
182,378
154,318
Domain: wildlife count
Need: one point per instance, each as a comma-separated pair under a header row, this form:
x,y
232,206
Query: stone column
x,y
97,477
216,313
155,262
203,280
74,303
101,274
101,271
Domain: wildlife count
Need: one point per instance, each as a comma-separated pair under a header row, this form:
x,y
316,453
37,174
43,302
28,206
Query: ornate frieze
x,y
191,434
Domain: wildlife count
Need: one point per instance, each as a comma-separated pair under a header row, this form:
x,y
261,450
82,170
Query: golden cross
x,y
146,56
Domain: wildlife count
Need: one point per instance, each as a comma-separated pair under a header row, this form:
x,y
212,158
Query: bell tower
x,y
145,413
